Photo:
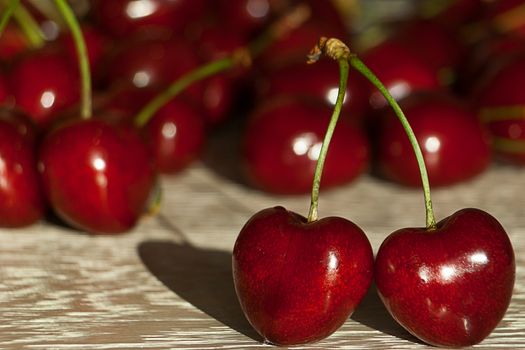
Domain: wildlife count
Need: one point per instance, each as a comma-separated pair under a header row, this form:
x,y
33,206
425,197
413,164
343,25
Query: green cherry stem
x,y
8,12
180,85
240,57
28,25
83,62
356,63
343,78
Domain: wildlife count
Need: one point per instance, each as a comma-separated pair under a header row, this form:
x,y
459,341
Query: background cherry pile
x,y
457,75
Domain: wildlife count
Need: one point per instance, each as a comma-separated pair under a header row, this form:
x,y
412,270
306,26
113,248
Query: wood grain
x,y
168,284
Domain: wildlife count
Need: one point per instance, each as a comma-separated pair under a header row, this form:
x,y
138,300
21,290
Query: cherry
x,y
176,135
123,17
13,43
21,199
246,16
97,45
152,62
444,55
97,177
4,91
299,281
458,13
282,142
318,81
400,71
295,45
44,84
449,286
454,144
501,107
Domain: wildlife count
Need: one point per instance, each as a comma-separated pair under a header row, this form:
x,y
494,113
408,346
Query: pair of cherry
x,y
298,279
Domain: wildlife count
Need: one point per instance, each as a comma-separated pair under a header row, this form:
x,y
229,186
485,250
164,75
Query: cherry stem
x,y
356,63
180,85
343,78
83,61
29,26
6,16
242,56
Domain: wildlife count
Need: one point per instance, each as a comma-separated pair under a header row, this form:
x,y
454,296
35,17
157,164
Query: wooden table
x,y
167,284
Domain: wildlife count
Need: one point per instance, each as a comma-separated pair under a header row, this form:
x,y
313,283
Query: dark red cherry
x,y
246,16
319,81
146,62
400,70
295,45
501,105
97,177
282,143
460,12
176,135
123,17
4,91
13,43
298,282
444,55
97,45
127,100
44,84
21,199
451,286
454,144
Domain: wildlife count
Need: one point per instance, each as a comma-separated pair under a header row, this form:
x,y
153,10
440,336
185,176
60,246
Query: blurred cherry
x,y
282,143
454,144
176,135
44,84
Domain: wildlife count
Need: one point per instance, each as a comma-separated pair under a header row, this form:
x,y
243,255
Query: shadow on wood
x,y
202,277
372,313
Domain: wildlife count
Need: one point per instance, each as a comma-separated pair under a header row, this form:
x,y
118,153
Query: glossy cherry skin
x,y
13,43
454,144
402,72
44,84
152,62
501,107
176,135
320,81
282,142
21,198
298,282
123,17
97,177
450,286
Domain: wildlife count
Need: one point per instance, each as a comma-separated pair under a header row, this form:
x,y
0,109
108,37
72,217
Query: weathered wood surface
x,y
168,283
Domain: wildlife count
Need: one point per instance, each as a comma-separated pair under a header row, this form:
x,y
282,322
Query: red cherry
x,y
97,45
13,43
453,142
282,143
176,135
4,91
147,62
246,16
44,84
122,17
298,282
97,177
501,106
127,101
401,72
21,199
295,46
450,286
445,53
320,81
458,13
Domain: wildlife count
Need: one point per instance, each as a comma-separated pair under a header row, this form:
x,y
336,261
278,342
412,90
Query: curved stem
x,y
363,69
83,61
343,78
8,12
179,85
29,26
241,56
